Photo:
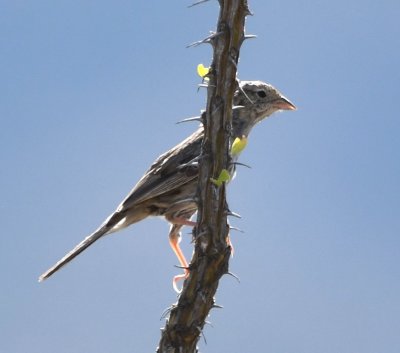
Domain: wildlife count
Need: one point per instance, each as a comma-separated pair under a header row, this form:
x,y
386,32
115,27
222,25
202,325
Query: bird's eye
x,y
261,94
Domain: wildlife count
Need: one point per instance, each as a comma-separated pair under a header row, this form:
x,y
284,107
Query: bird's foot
x,y
178,278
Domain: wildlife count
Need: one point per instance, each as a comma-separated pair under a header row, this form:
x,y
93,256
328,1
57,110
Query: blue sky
x,y
90,93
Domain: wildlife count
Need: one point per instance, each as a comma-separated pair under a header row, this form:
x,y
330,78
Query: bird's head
x,y
255,101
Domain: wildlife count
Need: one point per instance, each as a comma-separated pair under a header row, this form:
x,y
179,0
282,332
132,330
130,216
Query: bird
x,y
169,186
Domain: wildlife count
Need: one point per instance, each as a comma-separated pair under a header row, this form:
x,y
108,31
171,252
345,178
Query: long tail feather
x,y
84,244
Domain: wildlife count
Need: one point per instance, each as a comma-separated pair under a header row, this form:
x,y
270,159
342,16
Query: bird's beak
x,y
284,104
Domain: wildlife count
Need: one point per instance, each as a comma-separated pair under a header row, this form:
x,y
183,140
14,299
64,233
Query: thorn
x,y
194,118
205,40
202,334
182,267
206,85
241,164
167,311
201,234
236,228
198,3
216,306
209,323
238,107
249,13
234,276
234,214
202,85
250,36
193,163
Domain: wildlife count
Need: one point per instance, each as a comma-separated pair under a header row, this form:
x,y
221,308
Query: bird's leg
x,y
179,215
182,221
174,239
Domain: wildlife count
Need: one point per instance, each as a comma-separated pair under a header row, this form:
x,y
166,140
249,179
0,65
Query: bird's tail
x,y
83,245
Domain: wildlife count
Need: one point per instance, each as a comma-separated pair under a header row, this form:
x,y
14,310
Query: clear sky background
x,y
89,95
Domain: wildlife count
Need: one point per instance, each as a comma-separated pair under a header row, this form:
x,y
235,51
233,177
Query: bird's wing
x,y
170,171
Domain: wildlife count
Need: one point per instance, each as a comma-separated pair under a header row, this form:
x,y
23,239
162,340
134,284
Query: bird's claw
x,y
178,278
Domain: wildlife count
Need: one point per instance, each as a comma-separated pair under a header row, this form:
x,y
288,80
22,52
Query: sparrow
x,y
169,186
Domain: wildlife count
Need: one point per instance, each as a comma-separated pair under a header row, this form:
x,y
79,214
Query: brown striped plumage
x,y
168,188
